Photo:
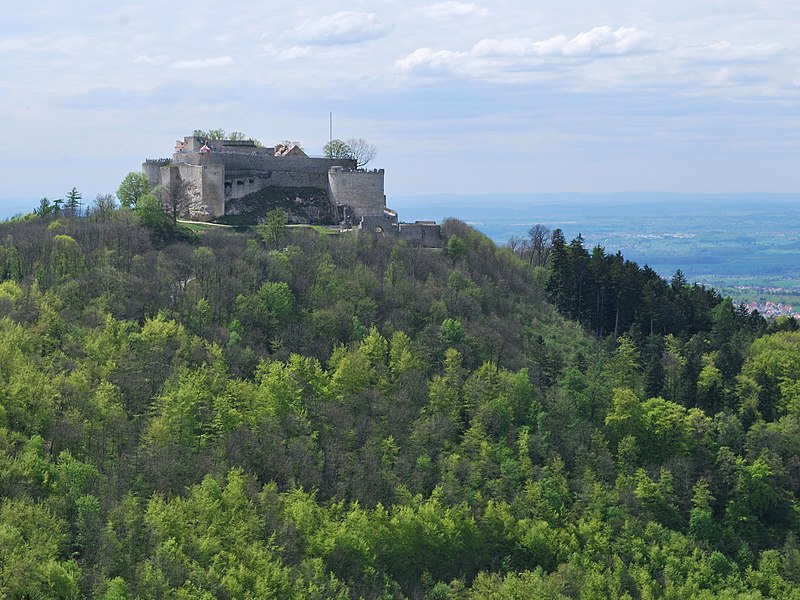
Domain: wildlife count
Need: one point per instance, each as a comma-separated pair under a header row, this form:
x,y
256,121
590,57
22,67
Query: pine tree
x,y
72,203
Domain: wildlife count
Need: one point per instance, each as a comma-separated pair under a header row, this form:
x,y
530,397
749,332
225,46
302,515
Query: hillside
x,y
340,417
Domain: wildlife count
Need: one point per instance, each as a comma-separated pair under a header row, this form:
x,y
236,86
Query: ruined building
x,y
228,177
219,172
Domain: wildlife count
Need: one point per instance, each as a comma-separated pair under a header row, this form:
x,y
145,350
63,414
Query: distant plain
x,y
747,246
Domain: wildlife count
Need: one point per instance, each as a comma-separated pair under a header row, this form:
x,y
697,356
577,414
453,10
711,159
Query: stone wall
x,y
253,161
234,170
362,190
206,184
385,223
425,234
152,168
213,182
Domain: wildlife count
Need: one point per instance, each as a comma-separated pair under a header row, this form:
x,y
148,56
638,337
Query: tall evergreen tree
x,y
72,202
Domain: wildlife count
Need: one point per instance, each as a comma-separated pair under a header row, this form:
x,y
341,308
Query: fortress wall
x,y
208,196
427,235
213,182
382,223
299,179
152,168
361,190
233,161
238,185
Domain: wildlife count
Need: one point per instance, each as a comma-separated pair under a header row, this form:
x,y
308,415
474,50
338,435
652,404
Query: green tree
x,y
72,202
152,215
211,134
134,186
336,149
102,207
273,229
44,208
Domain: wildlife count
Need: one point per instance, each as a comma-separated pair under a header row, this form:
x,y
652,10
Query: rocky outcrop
x,y
302,205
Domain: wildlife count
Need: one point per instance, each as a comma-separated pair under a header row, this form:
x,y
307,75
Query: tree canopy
x,y
133,186
281,413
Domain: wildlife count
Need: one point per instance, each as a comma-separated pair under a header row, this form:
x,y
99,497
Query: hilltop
x,y
298,415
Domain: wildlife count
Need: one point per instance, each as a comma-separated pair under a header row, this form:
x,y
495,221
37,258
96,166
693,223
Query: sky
x,y
501,97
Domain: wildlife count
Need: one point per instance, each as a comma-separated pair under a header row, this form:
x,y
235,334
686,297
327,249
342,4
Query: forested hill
x,y
235,415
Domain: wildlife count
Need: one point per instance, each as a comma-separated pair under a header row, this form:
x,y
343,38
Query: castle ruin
x,y
220,175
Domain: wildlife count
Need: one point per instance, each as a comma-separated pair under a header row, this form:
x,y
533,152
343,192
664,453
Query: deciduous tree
x,y
133,187
176,197
361,151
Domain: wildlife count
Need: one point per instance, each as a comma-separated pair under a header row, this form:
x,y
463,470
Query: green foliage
x,y
132,188
219,134
332,417
211,134
336,149
273,229
72,202
152,214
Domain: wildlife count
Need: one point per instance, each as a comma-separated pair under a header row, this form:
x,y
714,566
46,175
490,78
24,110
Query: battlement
x,y
359,189
341,169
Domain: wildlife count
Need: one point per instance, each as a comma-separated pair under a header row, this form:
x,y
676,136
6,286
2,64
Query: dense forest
x,y
285,414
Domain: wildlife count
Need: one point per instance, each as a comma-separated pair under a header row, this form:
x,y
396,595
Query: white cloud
x,y
434,60
489,55
446,10
143,59
203,63
344,27
294,52
602,40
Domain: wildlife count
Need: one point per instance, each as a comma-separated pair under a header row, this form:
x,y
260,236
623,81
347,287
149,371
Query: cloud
x,y
446,10
489,55
725,51
294,52
600,40
433,60
344,27
203,63
143,59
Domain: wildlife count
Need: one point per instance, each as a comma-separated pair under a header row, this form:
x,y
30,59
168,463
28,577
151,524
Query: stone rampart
x,y
421,233
227,170
362,190
206,188
243,161
152,168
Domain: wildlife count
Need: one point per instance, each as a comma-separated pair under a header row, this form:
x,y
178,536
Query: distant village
x,y
772,309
